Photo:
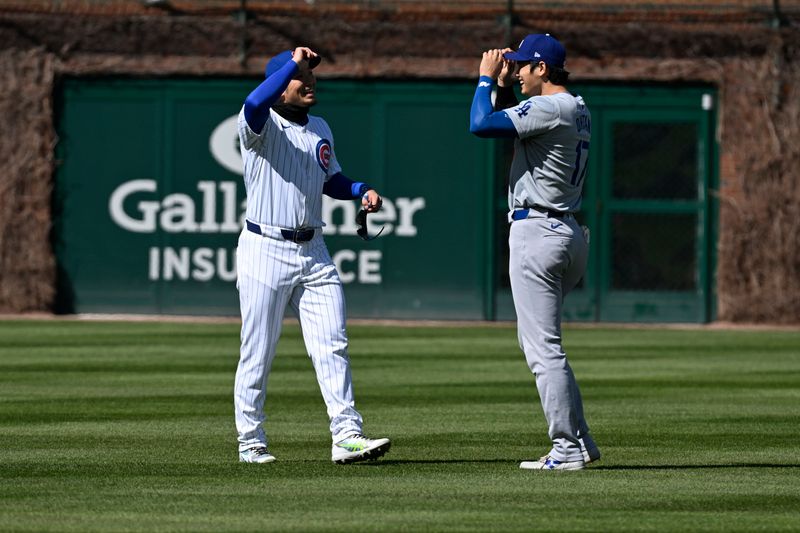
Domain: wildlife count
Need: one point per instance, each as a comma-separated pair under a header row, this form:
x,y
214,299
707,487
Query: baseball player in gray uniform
x,y
552,131
289,163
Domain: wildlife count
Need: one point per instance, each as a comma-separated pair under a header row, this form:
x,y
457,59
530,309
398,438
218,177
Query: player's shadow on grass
x,y
393,462
430,461
693,467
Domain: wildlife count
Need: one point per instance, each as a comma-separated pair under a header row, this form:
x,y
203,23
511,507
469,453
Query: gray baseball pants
x,y
548,258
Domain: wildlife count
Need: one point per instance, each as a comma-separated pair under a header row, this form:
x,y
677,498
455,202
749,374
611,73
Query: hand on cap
x,y
303,53
492,63
507,73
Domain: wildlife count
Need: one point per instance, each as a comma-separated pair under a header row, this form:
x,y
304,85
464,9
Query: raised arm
x,y
505,85
484,121
258,102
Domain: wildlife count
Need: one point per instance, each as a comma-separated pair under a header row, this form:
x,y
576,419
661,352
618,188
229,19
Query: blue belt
x,y
300,235
520,214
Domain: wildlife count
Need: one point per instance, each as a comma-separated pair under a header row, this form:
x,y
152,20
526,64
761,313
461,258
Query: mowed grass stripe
x,y
129,427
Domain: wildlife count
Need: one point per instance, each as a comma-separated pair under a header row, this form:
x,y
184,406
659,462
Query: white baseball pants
x,y
272,273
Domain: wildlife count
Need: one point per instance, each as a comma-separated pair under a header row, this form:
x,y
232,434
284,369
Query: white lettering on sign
x,y
347,214
134,206
205,264
407,208
345,274
177,213
146,222
396,217
200,264
367,265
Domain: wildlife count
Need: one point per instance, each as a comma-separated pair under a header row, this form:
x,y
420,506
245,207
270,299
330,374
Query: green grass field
x,y
110,426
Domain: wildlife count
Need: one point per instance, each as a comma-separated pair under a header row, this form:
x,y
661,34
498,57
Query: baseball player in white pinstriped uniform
x,y
289,163
549,249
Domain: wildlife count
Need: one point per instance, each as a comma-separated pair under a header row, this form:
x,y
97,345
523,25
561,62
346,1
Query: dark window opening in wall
x,y
654,252
655,160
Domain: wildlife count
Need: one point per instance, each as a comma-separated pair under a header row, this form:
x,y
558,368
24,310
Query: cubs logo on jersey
x,y
324,154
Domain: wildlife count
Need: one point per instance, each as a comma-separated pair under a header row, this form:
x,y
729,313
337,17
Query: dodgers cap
x,y
539,47
275,64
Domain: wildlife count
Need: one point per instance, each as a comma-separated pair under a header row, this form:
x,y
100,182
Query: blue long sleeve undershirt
x,y
483,120
258,102
341,187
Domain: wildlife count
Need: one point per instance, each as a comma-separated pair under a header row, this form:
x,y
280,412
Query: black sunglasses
x,y
361,221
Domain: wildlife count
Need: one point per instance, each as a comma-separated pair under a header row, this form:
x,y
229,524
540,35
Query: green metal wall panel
x,y
149,199
411,141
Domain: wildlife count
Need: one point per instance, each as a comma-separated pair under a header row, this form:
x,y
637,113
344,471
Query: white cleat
x,y
548,463
358,448
256,454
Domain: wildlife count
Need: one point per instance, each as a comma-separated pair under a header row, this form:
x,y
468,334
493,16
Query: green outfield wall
x,y
149,201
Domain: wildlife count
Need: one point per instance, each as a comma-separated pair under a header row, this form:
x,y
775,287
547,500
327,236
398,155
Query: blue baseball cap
x,y
539,47
275,64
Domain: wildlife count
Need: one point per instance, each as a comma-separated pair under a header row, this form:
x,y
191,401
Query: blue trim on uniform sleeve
x,y
341,187
359,189
258,102
483,120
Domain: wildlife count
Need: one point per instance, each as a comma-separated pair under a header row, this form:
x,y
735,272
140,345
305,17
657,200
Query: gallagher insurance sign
x,y
150,200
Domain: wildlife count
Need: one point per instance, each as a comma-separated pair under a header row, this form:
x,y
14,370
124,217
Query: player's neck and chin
x,y
294,109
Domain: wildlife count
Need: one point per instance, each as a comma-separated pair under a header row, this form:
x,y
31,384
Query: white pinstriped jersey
x,y
285,167
551,153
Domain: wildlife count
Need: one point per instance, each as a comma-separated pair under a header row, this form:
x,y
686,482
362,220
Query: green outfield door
x,y
648,204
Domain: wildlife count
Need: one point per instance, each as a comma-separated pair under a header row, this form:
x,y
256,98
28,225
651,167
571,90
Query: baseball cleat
x,y
358,448
256,454
548,463
591,455
589,449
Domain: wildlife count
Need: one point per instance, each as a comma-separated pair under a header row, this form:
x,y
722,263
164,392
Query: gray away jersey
x,y
550,154
285,167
